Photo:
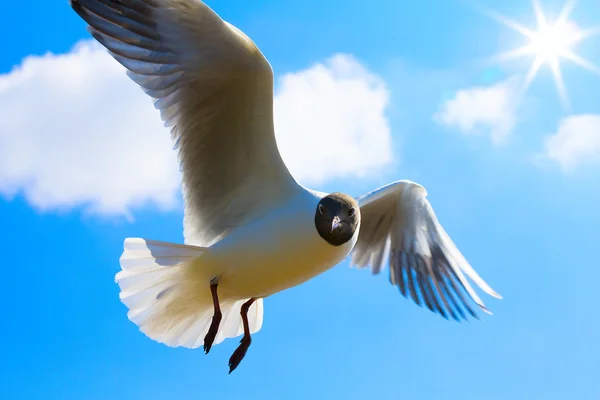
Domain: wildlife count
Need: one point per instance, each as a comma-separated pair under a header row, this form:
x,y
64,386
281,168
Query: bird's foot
x,y
239,353
212,333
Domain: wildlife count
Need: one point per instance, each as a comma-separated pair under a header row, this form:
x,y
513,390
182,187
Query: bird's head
x,y
336,218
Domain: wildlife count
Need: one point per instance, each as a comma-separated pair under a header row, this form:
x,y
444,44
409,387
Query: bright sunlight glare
x,y
551,42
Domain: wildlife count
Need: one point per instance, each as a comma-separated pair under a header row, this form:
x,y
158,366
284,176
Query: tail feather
x,y
169,298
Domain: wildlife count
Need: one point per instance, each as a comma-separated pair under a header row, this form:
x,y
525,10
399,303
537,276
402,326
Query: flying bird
x,y
250,229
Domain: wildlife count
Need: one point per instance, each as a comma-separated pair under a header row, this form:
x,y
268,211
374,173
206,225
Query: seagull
x,y
250,229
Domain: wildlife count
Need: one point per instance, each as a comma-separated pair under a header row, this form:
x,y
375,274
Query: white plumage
x,y
399,225
168,301
250,229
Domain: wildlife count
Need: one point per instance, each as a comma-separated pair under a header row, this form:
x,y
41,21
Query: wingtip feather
x,y
487,311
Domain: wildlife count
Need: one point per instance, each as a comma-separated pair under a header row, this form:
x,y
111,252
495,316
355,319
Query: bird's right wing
x,y
214,88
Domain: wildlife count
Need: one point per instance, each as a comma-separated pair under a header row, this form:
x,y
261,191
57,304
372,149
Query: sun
x,y
548,44
552,41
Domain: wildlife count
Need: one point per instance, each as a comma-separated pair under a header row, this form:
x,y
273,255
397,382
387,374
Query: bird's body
x,y
288,251
250,229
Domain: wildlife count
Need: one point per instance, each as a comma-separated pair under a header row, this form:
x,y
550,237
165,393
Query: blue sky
x,y
514,181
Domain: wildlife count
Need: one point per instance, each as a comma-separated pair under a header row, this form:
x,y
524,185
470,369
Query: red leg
x,y
216,320
240,352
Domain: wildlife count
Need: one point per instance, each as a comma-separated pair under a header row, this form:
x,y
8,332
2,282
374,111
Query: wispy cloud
x,y
482,110
75,131
576,142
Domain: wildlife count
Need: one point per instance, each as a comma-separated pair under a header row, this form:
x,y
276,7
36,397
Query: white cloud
x,y
330,120
75,131
576,142
482,109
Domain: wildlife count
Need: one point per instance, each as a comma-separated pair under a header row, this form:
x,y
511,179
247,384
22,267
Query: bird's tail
x,y
167,291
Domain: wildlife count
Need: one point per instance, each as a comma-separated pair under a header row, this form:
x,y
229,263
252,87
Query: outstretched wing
x,y
214,88
399,227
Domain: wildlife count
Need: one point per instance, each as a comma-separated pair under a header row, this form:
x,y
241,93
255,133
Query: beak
x,y
335,223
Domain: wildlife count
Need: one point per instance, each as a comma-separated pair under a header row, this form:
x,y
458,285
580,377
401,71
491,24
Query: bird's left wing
x,y
399,227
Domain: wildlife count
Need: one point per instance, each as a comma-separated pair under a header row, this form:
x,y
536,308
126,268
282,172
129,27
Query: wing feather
x,y
424,263
214,88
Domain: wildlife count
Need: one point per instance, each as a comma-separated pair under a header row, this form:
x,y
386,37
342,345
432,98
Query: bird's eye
x,y
321,209
351,212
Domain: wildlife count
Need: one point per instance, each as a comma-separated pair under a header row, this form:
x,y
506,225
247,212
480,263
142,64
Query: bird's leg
x,y
240,352
216,319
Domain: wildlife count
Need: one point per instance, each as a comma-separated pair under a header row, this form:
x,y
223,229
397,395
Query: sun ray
x,y
560,84
586,34
542,23
515,26
565,13
533,70
582,62
512,54
549,43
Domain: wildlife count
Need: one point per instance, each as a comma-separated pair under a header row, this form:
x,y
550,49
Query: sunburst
x,y
548,44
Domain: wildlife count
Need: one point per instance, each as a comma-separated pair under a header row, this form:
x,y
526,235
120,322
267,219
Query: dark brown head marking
x,y
336,218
